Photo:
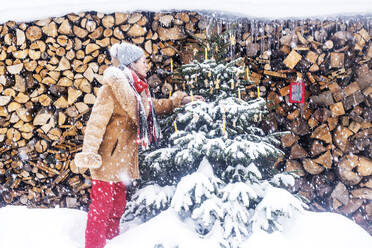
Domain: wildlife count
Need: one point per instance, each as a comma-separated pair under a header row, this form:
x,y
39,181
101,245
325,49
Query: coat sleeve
x,y
95,130
166,106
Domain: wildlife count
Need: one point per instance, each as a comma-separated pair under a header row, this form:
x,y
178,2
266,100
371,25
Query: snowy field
x,y
64,228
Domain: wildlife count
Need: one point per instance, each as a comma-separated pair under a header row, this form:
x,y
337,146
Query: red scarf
x,y
139,84
148,127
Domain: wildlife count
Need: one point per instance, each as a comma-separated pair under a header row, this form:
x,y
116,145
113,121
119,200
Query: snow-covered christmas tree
x,y
214,165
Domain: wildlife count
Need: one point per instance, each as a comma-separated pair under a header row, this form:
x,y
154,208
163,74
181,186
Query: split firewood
x,y
346,170
317,148
108,21
289,139
41,146
33,33
362,193
79,32
325,159
297,152
295,167
340,195
292,59
322,133
312,167
15,69
364,166
337,109
341,136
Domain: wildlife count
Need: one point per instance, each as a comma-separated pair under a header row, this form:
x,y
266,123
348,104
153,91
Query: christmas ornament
x,y
297,91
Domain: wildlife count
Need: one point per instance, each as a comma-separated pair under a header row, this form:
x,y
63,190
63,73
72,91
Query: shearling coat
x,y
110,146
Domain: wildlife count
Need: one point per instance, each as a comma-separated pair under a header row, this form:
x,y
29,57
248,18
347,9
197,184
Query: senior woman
x,y
123,117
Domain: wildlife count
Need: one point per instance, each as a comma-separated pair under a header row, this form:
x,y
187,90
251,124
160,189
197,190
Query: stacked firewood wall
x,y
50,71
331,132
49,75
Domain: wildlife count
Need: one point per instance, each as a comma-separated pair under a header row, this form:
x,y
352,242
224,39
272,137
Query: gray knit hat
x,y
126,53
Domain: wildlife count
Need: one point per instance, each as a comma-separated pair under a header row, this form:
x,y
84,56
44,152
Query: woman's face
x,y
140,67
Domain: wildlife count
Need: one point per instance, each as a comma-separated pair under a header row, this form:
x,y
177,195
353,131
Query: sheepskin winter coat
x,y
110,146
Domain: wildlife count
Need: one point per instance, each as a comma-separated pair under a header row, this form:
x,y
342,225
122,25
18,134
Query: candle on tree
x,y
224,124
223,121
175,126
247,72
217,84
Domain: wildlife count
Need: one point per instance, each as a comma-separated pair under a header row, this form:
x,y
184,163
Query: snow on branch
x,y
276,206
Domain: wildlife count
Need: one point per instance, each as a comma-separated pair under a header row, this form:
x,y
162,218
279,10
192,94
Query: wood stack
x,y
50,71
330,142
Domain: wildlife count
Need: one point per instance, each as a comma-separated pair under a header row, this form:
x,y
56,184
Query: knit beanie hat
x,y
126,53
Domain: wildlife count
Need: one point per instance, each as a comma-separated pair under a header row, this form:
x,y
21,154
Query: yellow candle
x,y
170,93
175,126
206,83
171,64
192,96
239,93
223,123
247,71
205,54
258,91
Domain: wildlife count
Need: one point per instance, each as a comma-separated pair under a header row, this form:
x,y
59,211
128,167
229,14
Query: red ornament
x,y
297,92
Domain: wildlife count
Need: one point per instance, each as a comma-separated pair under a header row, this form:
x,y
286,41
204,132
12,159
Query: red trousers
x,y
108,202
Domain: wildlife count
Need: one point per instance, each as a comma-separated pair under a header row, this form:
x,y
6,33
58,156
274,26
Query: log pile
x,y
331,132
51,69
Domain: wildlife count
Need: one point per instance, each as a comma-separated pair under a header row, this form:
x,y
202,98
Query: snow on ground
x,y
166,229
64,228
38,228
26,10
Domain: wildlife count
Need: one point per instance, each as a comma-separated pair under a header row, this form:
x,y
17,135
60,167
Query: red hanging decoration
x,y
297,92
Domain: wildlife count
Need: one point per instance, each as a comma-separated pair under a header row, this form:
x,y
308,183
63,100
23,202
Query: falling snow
x,y
284,214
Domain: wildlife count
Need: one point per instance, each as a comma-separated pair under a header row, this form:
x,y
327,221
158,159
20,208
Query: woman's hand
x,y
187,99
